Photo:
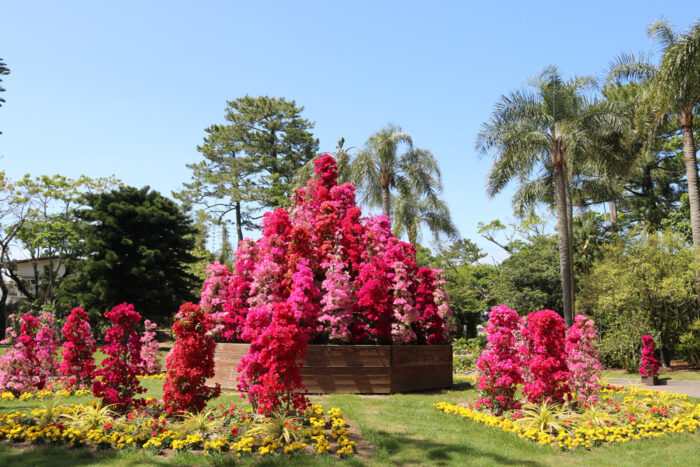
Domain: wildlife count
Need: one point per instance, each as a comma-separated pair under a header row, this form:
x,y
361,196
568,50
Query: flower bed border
x,y
356,369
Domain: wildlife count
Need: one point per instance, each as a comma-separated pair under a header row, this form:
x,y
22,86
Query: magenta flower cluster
x,y
650,365
501,362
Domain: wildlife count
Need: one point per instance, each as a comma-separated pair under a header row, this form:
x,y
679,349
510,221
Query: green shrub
x,y
689,344
466,352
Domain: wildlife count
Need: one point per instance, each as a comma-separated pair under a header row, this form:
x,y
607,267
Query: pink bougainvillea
x,y
321,273
118,382
548,374
150,349
500,363
582,359
31,362
190,362
78,366
650,365
215,295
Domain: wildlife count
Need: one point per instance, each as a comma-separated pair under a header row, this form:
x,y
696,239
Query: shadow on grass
x,y
55,456
440,453
462,386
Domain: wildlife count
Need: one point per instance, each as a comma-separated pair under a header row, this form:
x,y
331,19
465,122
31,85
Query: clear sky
x,y
127,87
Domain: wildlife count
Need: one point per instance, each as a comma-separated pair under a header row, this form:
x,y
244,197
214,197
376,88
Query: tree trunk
x,y
691,169
3,307
564,242
570,226
613,211
239,227
386,202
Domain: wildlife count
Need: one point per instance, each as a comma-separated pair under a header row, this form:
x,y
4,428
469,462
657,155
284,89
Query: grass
x,y
403,428
681,375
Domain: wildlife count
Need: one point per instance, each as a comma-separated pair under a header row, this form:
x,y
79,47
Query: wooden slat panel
x,y
347,355
412,355
364,369
345,371
421,377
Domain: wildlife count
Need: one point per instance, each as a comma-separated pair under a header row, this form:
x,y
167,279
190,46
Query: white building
x,y
25,271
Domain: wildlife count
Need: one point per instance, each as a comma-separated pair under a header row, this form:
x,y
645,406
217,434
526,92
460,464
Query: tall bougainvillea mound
x,y
342,279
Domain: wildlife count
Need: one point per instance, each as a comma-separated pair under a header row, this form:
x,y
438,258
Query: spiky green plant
x,y
201,423
49,413
596,416
547,416
90,417
281,428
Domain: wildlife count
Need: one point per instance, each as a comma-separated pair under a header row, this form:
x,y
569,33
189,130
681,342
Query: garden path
x,y
690,388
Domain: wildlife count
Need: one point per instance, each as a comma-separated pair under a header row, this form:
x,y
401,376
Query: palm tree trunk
x,y
386,202
570,225
691,169
564,242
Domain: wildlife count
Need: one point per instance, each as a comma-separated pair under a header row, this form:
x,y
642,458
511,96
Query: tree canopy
x,y
136,249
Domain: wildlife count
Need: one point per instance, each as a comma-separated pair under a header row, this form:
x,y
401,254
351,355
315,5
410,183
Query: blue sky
x,y
127,88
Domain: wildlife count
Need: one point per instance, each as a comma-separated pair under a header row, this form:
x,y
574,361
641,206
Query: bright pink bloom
x,y
650,365
500,363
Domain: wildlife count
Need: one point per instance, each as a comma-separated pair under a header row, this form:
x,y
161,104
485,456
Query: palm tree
x,y
379,168
410,214
543,132
671,92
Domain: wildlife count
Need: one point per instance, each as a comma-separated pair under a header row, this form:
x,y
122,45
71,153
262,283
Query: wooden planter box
x,y
650,380
358,369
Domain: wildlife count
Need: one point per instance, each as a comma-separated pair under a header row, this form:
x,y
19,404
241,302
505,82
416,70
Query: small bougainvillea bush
x,y
118,383
321,273
582,358
548,373
500,363
190,362
78,365
32,359
650,365
150,349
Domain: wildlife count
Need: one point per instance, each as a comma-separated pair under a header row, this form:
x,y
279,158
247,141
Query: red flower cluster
x,y
500,363
78,365
119,383
190,362
270,370
650,365
545,334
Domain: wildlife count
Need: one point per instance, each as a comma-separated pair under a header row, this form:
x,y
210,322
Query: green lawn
x,y
682,375
404,429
